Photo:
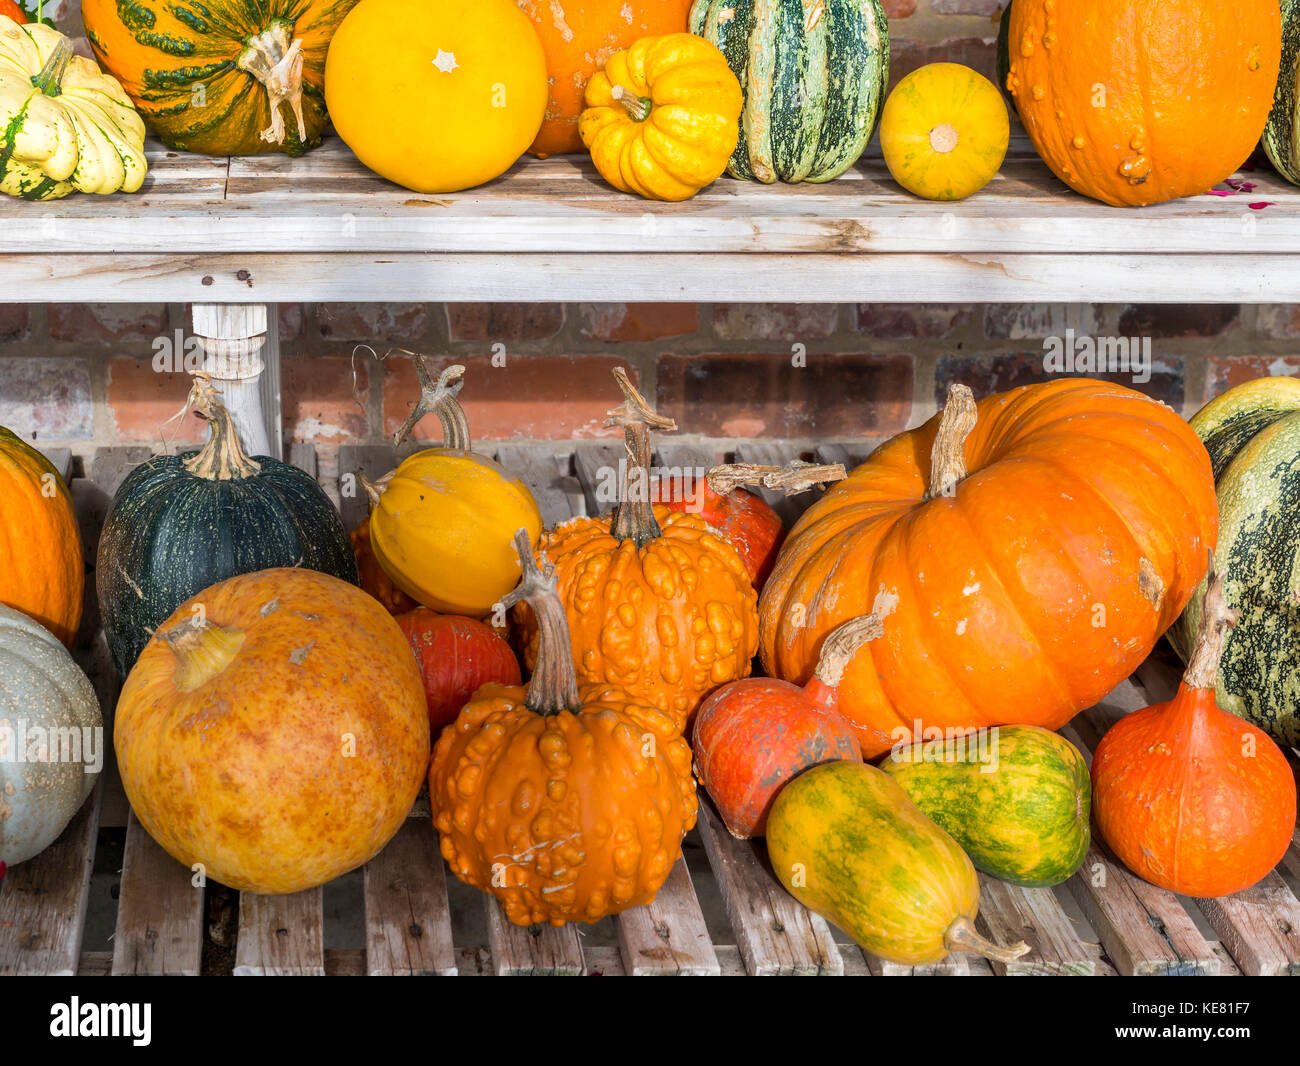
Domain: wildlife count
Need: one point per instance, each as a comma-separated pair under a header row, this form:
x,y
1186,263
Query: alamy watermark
x,y
23,743
948,745
1073,354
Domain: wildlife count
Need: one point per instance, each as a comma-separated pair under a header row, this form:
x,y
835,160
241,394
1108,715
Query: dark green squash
x,y
814,76
181,523
1281,137
1004,56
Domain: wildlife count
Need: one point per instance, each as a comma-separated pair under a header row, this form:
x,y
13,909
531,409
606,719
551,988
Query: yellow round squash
x,y
944,131
436,95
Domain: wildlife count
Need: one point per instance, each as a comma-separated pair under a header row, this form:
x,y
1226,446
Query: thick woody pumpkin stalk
x,y
793,478
554,685
1217,620
439,397
842,644
962,935
634,517
222,458
948,455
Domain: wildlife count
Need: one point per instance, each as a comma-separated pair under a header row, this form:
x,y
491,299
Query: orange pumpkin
x,y
578,36
42,570
10,9
1024,556
1136,102
658,603
1190,797
274,730
566,802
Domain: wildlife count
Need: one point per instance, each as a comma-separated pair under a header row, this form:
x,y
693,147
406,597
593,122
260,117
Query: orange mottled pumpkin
x,y
566,802
42,571
578,36
1136,102
1024,556
274,730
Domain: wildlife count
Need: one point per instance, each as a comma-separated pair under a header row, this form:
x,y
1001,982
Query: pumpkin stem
x,y
962,935
50,79
634,517
202,650
948,455
276,61
637,106
842,644
791,479
439,397
943,138
375,489
222,458
1217,618
554,685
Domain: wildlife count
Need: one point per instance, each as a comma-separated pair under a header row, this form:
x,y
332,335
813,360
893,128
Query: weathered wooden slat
x,y
159,911
408,921
774,933
1035,916
281,935
597,465
950,966
668,935
1260,927
372,460
534,951
303,456
538,467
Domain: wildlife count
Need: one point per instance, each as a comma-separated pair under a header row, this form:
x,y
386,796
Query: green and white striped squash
x,y
814,74
1281,137
1252,433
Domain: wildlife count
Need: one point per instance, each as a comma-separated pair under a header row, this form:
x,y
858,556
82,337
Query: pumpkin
x,y
661,117
944,131
567,802
221,77
10,10
1190,797
64,126
442,522
1024,555
1252,433
752,736
578,36
1016,798
658,603
436,95
274,731
42,570
814,74
744,518
1168,107
848,844
181,523
1280,131
51,737
372,576
457,656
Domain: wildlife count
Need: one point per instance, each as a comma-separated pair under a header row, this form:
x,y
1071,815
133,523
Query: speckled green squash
x,y
1016,798
1252,433
814,74
1281,137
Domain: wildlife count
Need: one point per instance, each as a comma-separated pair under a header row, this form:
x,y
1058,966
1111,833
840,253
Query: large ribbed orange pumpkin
x,y
578,36
42,571
1024,556
1136,102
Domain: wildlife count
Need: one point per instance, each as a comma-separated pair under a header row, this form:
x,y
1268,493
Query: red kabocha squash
x,y
754,735
566,802
1190,797
456,656
1024,556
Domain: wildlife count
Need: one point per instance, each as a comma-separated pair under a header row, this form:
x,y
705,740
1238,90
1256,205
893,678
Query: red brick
x,y
47,399
1177,320
979,53
1225,372
1279,320
638,322
15,323
990,8
904,321
141,400
1002,372
540,397
504,322
290,322
378,325
1020,321
789,323
765,396
107,323
319,401
899,9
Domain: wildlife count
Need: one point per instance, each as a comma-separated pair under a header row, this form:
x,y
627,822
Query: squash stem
x,y
943,138
50,78
634,517
275,60
638,107
222,458
842,644
375,489
791,479
554,685
962,935
202,651
948,455
1217,619
439,397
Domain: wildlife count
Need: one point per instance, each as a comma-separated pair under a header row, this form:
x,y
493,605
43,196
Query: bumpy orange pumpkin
x,y
566,802
658,603
42,571
1024,556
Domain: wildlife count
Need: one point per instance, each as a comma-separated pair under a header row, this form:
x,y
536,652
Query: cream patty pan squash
x,y
64,125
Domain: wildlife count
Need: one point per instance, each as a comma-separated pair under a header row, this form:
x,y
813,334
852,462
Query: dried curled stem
x,y
948,455
1217,620
440,397
634,517
793,478
222,458
842,644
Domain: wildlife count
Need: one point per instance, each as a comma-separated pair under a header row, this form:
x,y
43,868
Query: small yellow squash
x,y
944,131
662,117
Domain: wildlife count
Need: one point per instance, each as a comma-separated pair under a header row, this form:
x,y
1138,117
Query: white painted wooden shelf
x,y
270,229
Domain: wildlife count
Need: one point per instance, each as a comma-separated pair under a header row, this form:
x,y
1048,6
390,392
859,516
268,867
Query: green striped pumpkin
x,y
814,75
1282,131
1252,433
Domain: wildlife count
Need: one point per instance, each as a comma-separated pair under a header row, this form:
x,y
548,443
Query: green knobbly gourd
x,y
1016,798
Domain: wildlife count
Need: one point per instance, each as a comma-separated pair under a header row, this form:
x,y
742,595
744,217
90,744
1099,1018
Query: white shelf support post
x,y
241,351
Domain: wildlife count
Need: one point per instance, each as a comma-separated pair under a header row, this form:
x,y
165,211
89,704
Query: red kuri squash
x,y
456,655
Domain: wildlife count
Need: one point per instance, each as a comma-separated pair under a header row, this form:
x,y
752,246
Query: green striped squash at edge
x,y
1281,137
